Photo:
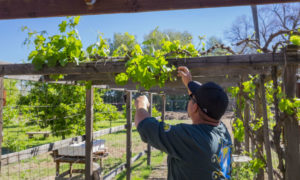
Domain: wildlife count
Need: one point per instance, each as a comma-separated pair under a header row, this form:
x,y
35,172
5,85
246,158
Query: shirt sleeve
x,y
162,136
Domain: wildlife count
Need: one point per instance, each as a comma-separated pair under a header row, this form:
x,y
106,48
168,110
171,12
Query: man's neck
x,y
204,120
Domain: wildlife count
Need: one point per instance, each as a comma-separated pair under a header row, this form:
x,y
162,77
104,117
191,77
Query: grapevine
x,y
147,69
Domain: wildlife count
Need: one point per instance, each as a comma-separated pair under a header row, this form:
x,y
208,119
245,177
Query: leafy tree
x,y
125,42
152,41
62,107
10,110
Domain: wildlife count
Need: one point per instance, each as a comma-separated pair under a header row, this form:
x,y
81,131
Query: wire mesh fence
x,y
44,130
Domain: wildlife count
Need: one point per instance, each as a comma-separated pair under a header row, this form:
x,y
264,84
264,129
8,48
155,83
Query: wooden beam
x,y
89,133
172,87
108,81
12,9
25,78
109,78
205,66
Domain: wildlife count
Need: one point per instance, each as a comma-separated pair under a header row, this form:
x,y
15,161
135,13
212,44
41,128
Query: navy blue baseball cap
x,y
210,97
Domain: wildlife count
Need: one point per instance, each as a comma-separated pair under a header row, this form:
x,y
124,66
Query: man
x,y
201,150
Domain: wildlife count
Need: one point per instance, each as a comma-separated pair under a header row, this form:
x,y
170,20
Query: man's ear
x,y
194,107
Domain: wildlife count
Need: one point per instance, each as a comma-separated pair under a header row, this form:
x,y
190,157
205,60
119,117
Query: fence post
x,y
128,133
246,125
163,111
1,117
89,134
277,130
259,133
291,129
148,146
266,128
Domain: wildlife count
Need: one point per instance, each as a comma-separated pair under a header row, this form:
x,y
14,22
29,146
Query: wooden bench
x,y
45,133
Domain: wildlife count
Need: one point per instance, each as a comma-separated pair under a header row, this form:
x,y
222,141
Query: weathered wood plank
x,y
213,65
11,9
109,78
25,78
31,152
170,87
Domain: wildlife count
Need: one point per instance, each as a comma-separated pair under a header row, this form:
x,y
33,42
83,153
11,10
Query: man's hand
x,y
185,75
141,104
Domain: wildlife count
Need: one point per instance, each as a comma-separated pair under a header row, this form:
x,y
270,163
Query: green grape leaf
x,y
62,26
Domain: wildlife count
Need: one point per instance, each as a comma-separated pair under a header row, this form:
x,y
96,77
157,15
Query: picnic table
x,y
76,154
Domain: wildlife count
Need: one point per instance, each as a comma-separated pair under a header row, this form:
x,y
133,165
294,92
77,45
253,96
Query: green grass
x,y
16,139
140,169
43,167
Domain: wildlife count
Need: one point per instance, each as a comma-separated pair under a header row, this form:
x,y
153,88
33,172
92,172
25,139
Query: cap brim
x,y
193,86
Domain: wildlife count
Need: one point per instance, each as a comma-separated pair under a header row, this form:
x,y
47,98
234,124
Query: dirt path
x,y
159,172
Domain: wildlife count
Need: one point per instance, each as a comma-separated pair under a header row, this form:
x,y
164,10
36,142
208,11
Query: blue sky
x,y
209,22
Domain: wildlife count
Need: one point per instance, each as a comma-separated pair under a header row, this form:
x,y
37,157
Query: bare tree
x,y
276,22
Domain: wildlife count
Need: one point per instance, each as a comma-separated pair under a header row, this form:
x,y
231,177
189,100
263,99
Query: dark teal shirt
x,y
194,151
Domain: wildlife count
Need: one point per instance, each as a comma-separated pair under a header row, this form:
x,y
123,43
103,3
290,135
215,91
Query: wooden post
x,y
128,134
237,143
277,130
163,110
89,134
148,146
266,128
259,133
57,168
246,125
291,129
1,116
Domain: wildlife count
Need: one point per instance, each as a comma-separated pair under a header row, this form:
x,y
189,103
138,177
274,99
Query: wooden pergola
x,y
225,70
